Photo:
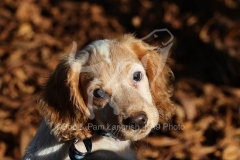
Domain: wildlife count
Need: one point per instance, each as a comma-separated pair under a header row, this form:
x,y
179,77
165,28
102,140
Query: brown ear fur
x,y
160,85
159,76
63,105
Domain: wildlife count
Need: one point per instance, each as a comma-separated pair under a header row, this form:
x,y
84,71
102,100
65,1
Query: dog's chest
x,y
106,143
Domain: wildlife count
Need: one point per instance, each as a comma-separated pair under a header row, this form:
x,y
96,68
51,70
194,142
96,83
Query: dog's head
x,y
123,84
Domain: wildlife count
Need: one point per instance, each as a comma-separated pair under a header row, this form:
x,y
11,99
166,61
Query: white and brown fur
x,y
68,101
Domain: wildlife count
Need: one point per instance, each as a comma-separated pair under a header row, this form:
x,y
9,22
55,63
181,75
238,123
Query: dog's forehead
x,y
102,48
109,57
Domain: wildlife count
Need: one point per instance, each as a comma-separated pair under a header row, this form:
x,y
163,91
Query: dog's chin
x,y
132,135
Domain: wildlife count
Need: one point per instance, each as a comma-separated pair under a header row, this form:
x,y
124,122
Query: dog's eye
x,y
137,76
99,93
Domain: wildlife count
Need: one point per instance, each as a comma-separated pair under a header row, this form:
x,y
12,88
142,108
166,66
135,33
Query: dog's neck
x,y
44,146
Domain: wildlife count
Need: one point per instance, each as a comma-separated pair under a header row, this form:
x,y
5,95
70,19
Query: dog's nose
x,y
137,121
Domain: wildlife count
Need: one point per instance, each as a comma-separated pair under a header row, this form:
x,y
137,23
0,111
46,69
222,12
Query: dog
x,y
111,93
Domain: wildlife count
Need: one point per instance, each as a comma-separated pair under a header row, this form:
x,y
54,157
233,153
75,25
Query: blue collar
x,y
74,154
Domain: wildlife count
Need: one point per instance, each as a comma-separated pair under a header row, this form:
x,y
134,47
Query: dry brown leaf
x,y
25,30
9,102
8,126
231,152
3,148
4,114
20,74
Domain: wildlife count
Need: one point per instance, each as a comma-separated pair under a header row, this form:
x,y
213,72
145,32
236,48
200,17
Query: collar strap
x,y
74,154
104,133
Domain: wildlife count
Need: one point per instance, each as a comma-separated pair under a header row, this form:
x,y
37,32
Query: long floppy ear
x,y
159,76
63,105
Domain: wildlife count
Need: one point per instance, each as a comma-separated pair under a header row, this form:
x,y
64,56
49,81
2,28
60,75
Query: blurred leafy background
x,y
206,55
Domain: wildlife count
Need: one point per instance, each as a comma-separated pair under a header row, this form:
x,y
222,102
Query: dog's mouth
x,y
124,132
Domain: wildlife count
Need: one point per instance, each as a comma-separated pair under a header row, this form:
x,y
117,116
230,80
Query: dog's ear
x,y
62,103
159,76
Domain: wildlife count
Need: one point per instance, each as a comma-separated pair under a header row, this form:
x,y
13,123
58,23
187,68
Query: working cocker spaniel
x,y
105,96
